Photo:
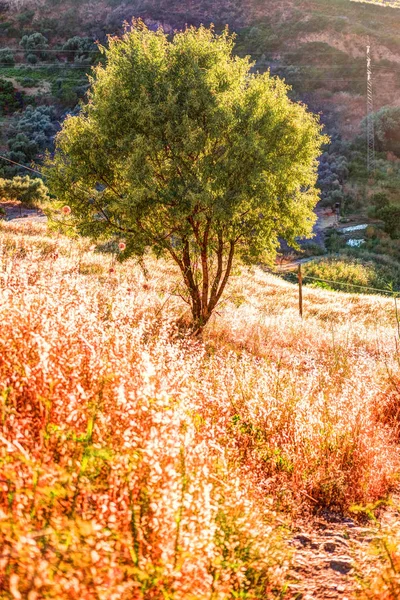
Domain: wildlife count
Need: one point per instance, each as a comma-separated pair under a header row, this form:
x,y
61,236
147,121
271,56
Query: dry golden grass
x,y
138,463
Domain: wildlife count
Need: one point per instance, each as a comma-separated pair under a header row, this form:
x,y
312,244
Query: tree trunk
x,y
205,296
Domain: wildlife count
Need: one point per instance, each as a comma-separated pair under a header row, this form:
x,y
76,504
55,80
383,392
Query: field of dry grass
x,y
137,463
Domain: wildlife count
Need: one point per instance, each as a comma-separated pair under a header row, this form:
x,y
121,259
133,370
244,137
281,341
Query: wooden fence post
x,y
300,278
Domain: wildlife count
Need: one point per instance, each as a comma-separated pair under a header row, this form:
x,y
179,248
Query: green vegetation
x,y
28,191
351,273
30,136
182,150
9,100
7,57
34,46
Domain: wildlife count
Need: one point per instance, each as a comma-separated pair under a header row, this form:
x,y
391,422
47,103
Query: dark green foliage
x,y
32,59
387,129
24,18
80,50
31,135
379,200
22,145
10,100
390,215
34,45
27,82
334,241
7,57
69,91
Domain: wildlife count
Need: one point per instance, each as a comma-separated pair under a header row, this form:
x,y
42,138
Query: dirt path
x,y
14,210
335,557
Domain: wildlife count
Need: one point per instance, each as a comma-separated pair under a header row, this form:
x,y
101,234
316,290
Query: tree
x,y
10,100
182,149
80,49
35,45
390,215
387,129
7,57
30,136
29,191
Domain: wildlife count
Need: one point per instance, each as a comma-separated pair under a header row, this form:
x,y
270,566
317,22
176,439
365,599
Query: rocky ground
x,y
336,557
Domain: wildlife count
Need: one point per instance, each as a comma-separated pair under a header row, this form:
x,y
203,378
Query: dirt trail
x,y
14,210
335,557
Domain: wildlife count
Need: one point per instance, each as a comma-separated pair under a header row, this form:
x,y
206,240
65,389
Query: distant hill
x,y
317,45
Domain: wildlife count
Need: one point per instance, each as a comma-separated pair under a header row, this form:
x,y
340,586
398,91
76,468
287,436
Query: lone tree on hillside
x,y
183,150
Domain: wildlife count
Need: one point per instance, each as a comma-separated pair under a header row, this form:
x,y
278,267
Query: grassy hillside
x,y
138,463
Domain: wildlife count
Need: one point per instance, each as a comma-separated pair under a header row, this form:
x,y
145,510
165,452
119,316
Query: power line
x,y
45,66
361,287
294,76
20,165
51,50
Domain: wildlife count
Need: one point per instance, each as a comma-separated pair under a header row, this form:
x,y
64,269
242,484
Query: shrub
x,y
34,45
7,57
390,215
8,99
28,191
351,272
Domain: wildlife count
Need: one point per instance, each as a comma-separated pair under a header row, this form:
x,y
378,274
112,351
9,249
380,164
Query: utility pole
x,y
300,279
370,115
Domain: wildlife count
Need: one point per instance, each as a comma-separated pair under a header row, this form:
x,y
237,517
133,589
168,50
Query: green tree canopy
x,y
35,44
387,129
80,49
182,149
29,191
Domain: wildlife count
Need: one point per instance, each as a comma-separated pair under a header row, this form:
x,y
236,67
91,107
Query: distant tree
x,y
30,192
80,49
183,150
387,129
379,200
37,124
31,134
34,45
390,215
7,57
22,144
9,101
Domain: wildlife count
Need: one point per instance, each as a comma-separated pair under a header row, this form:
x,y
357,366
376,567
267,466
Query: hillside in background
x,y
319,46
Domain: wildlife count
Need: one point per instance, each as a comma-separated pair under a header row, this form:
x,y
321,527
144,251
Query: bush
x,y
34,45
28,191
334,241
7,57
32,59
346,273
390,215
10,100
28,82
